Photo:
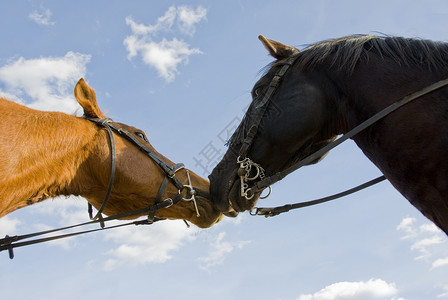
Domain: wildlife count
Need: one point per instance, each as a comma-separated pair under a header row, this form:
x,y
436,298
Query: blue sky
x,y
182,71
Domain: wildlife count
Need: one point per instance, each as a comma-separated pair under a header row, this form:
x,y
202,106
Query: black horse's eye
x,y
258,92
141,135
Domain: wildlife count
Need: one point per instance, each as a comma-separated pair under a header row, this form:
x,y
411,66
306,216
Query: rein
x,y
266,182
11,242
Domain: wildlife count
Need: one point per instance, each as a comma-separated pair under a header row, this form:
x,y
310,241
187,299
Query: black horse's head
x,y
284,124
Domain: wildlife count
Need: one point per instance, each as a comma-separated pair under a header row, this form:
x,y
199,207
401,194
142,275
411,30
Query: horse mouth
x,y
209,215
237,202
227,199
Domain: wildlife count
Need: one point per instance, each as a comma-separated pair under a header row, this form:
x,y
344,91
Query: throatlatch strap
x,y
99,216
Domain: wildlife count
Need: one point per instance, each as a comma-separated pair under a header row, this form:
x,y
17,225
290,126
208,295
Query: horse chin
x,y
219,192
209,215
228,200
239,203
230,211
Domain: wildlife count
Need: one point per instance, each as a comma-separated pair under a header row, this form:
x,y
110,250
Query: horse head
x,y
139,172
286,121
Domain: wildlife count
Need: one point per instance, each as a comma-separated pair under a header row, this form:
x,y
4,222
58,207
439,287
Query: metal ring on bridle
x,y
269,193
246,166
249,194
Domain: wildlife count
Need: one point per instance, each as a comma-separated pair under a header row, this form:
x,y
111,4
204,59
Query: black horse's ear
x,y
276,49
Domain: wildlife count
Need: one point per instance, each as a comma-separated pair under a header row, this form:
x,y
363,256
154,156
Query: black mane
x,y
343,54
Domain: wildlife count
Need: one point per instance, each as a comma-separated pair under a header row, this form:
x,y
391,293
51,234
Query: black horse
x,y
328,89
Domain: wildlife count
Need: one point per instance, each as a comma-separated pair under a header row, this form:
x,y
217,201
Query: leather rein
x,y
11,242
247,165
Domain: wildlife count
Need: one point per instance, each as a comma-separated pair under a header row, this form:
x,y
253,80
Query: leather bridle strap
x,y
106,124
11,242
170,171
273,211
260,185
275,82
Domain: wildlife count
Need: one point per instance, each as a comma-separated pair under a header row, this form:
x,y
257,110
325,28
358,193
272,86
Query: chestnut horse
x,y
48,154
308,98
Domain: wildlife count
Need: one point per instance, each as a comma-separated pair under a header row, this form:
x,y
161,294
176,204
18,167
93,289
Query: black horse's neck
x,y
409,146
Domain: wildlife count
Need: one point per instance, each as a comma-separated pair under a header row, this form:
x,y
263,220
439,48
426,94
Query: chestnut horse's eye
x,y
141,135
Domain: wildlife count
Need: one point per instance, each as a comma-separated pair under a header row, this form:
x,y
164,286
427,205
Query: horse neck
x,y
378,83
409,146
43,154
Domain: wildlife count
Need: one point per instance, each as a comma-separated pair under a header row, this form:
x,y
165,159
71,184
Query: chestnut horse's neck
x,y
47,150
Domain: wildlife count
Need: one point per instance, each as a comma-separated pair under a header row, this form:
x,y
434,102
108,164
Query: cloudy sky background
x,y
182,71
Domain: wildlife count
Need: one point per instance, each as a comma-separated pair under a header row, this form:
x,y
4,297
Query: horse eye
x,y
258,92
141,135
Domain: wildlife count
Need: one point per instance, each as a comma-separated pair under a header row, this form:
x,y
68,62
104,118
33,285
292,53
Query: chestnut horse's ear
x,y
276,49
87,99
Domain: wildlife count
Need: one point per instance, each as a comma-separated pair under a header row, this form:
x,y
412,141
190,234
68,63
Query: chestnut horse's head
x,y
141,176
285,122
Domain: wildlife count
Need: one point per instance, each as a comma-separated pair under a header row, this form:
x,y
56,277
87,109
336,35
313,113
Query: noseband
x,y
170,173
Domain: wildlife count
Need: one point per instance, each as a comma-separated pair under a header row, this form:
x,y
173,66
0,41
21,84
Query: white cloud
x,y
369,290
8,226
219,250
42,16
440,262
143,245
424,245
445,293
427,239
48,81
164,23
68,211
164,55
406,225
10,96
188,18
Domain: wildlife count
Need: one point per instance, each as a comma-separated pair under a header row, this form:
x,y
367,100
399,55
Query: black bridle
x,y
169,170
246,164
11,242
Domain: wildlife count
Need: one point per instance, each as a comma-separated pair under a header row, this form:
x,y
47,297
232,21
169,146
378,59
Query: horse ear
x,y
276,49
87,99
